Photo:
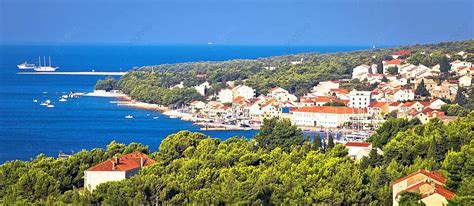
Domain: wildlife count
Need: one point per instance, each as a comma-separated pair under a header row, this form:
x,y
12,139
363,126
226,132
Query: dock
x,y
75,73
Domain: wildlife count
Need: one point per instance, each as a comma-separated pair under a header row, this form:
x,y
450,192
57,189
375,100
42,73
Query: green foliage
x,y
409,199
281,133
193,169
107,84
392,70
335,104
389,129
455,110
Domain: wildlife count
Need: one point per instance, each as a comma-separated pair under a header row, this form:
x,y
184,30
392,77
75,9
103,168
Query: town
x,y
397,88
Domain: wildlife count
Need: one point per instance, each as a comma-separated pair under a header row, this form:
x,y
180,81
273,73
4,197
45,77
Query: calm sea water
x,y
27,129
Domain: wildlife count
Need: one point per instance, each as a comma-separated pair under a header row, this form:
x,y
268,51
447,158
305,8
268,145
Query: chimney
x,y
141,162
113,165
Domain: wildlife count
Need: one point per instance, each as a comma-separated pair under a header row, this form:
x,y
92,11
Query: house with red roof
x,y
377,109
116,169
392,63
401,53
429,184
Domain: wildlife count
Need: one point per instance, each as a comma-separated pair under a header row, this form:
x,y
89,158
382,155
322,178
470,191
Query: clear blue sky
x,y
249,22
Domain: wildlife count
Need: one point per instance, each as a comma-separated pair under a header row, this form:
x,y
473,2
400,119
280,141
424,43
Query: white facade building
x,y
202,88
244,91
359,99
360,72
226,96
325,116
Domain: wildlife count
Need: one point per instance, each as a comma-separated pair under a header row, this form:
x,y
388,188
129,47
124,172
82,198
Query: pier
x,y
76,73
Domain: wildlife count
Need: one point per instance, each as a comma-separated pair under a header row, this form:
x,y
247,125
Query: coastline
x,y
127,101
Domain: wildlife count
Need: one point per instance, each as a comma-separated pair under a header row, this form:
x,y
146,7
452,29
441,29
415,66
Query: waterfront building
x,y
116,169
429,184
325,116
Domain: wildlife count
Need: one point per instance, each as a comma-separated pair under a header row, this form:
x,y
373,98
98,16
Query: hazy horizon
x,y
234,22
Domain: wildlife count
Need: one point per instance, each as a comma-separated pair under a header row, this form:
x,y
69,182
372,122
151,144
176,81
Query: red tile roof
x,y
403,52
434,175
357,144
340,91
329,110
443,191
395,61
395,104
125,163
377,104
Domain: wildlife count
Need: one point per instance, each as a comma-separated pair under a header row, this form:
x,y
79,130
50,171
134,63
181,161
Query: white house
x,y
323,88
456,64
197,105
392,63
325,116
202,88
116,169
244,91
360,72
400,95
465,81
429,184
359,99
226,96
277,90
358,150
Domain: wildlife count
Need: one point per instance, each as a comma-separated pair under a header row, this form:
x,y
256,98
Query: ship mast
x,y
39,59
49,61
44,60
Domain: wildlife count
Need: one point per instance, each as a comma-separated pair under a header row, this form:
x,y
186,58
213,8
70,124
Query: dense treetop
x,y
194,169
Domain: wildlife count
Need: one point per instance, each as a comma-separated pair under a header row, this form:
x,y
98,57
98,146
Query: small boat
x,y
129,117
45,103
156,117
26,66
62,100
64,96
35,100
50,106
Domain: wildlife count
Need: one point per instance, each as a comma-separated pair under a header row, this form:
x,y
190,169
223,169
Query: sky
x,y
236,22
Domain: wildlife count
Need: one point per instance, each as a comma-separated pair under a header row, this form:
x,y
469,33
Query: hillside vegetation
x,y
194,169
151,83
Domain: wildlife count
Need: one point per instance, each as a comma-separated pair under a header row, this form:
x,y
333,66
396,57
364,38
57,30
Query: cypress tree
x,y
330,141
317,143
421,89
444,65
460,98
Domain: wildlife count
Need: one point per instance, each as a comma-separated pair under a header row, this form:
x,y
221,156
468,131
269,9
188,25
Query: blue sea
x,y
27,129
